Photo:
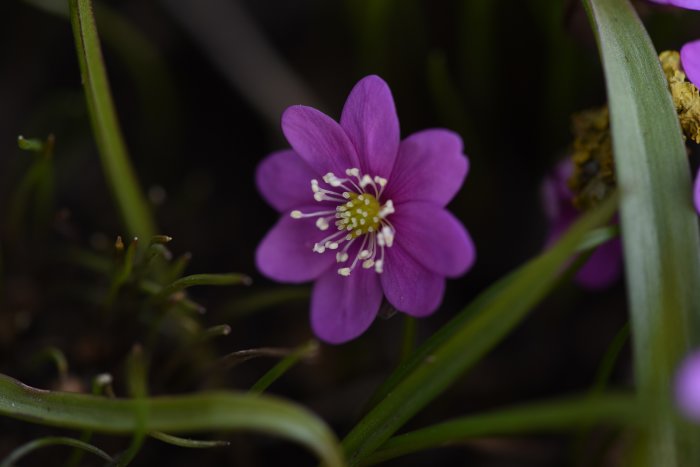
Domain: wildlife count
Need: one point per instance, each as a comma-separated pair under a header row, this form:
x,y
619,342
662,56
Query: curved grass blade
x,y
558,415
32,446
467,338
307,350
201,279
110,143
186,442
206,411
659,225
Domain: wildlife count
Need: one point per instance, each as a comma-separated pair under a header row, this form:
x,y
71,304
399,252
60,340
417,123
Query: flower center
x,y
358,215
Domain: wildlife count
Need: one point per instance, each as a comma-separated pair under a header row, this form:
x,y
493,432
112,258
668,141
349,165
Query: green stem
x,y
110,143
409,337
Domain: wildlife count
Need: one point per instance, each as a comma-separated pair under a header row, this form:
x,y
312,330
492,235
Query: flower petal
x,y
434,238
286,253
603,268
369,119
687,386
689,4
410,287
696,192
430,167
284,180
690,59
319,140
342,308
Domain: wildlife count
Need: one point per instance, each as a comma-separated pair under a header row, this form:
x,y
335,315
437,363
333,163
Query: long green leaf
x,y
110,143
659,225
565,414
209,411
467,338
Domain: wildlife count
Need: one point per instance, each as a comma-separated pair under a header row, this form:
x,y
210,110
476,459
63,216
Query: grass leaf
x,y
658,222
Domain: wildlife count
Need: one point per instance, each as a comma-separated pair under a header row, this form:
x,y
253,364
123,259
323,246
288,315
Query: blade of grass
x,y
305,351
33,445
659,225
467,338
565,414
204,411
202,279
110,143
186,442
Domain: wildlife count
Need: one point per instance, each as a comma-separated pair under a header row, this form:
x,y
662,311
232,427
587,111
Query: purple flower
x,y
689,4
605,264
363,213
687,386
690,52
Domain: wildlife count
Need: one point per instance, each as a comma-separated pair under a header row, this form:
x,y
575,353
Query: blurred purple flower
x,y
363,212
687,386
604,266
690,52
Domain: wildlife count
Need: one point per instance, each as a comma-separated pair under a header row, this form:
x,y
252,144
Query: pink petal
x,y
434,238
430,167
689,4
369,119
410,287
286,253
319,140
342,308
696,192
687,387
603,268
284,180
690,59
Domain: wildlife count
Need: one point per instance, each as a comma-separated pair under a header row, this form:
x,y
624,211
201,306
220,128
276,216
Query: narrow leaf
x,y
110,143
659,225
566,414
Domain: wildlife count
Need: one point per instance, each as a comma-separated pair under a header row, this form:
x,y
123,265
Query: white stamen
x,y
318,248
296,214
387,209
344,271
379,266
368,264
388,235
341,257
322,223
364,254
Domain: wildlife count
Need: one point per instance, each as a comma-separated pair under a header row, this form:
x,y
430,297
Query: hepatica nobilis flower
x,y
363,213
604,266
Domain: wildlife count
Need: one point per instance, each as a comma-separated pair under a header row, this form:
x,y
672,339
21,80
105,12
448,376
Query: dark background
x,y
199,87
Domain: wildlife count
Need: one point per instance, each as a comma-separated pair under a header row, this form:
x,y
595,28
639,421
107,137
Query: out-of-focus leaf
x,y
659,225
